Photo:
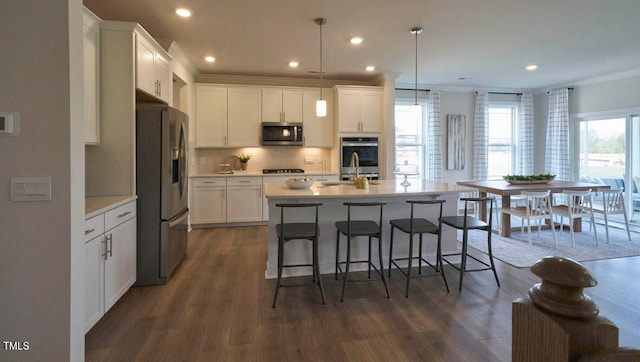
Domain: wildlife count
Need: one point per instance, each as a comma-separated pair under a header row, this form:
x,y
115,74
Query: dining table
x,y
505,190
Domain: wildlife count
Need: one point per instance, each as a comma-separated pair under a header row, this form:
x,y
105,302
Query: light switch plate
x,y
9,123
31,188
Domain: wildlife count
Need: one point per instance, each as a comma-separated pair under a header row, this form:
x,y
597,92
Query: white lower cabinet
x,y
244,199
220,200
208,204
110,259
234,199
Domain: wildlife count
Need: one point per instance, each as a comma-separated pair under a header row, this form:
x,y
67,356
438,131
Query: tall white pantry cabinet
x,y
126,58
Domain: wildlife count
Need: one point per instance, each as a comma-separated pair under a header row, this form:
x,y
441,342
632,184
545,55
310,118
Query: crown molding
x,y
273,81
178,54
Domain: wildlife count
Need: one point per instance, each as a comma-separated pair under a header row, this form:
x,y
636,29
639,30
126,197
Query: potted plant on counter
x,y
244,158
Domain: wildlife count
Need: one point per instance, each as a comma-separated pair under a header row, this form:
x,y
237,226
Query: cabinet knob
x,y
87,232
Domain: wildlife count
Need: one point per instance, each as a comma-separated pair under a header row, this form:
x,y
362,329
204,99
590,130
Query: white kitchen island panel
x,y
332,210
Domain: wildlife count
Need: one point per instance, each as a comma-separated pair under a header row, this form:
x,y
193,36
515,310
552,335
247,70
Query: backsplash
x,y
208,160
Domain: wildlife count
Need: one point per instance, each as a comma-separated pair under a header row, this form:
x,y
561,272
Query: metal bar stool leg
x,y
337,252
439,262
384,280
369,260
278,282
390,251
346,269
316,268
463,260
409,265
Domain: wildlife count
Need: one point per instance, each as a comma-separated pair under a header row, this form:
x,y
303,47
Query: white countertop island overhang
x,y
332,198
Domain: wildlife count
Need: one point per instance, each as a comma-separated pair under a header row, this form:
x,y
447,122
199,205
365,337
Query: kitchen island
x,y
333,195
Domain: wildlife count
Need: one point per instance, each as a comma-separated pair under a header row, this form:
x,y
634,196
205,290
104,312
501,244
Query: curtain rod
x,y
413,90
518,94
569,88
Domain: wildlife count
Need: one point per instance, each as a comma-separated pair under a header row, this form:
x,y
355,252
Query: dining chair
x,y
612,203
417,225
287,231
537,207
577,204
467,223
354,228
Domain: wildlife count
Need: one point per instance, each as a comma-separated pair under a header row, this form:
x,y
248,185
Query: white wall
x,y
41,242
460,103
606,96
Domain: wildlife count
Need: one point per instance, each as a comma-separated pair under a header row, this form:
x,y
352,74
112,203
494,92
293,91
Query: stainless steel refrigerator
x,y
161,185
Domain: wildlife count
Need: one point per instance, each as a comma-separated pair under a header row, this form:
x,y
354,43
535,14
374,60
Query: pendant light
x,y
415,31
321,104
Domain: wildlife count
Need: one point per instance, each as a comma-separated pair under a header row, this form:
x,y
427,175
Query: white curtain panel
x,y
434,138
525,135
557,150
481,136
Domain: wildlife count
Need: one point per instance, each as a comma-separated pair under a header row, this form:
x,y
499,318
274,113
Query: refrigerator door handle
x,y
178,220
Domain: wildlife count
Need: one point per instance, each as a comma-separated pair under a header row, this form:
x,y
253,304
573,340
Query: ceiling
x,y
465,43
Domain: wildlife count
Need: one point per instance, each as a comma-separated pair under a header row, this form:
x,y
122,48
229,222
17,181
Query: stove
x,y
282,170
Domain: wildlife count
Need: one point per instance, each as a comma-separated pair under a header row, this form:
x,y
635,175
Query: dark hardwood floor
x,y
218,308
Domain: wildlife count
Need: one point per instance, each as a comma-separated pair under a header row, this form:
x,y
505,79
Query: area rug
x,y
515,249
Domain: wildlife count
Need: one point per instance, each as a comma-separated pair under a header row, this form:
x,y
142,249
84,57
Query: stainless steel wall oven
x,y
368,151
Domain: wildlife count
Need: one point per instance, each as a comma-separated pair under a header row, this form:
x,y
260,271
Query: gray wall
x,y
40,280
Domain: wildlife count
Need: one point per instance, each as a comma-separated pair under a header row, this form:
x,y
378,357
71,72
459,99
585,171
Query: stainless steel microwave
x,y
282,134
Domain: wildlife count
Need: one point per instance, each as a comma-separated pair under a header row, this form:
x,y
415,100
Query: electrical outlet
x,y
203,160
308,160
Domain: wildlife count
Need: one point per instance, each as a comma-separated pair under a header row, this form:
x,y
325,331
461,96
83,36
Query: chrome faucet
x,y
355,162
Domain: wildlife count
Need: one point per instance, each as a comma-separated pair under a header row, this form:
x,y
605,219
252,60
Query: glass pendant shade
x,y
321,108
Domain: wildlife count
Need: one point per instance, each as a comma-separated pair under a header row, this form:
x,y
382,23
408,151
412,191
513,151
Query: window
x,y
502,140
605,149
410,128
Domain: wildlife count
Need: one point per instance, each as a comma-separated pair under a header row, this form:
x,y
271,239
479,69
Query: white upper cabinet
x,y
91,42
317,131
211,116
281,105
359,109
227,116
243,117
153,74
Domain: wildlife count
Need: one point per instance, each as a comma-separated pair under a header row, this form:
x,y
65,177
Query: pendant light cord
x,y
416,31
321,83
321,22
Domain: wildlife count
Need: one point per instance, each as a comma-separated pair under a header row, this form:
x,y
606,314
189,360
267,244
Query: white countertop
x,y
94,205
259,173
383,188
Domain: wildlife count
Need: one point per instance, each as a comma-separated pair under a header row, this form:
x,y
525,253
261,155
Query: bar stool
x,y
353,228
466,223
419,226
298,231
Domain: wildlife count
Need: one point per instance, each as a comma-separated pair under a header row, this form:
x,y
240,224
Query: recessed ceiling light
x,y
531,67
293,64
183,12
356,40
370,68
210,59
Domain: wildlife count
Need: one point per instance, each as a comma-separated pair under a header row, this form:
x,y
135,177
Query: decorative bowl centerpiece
x,y
529,179
299,182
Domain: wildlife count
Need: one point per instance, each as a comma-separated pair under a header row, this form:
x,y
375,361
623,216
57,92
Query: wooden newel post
x,y
557,322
